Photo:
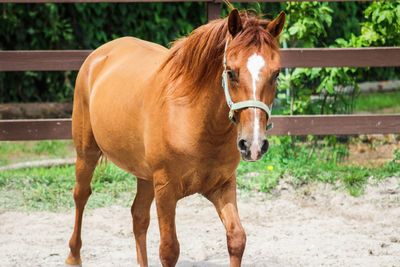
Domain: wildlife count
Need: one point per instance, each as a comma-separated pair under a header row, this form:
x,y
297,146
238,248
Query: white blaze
x,y
254,64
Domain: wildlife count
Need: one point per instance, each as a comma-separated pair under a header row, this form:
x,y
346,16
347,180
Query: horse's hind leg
x,y
84,171
141,218
88,153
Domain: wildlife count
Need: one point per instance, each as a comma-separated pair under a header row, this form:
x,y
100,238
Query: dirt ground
x,y
374,150
316,225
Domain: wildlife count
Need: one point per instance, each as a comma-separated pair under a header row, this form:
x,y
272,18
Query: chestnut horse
x,y
162,115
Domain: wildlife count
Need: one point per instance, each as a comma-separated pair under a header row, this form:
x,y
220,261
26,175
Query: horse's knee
x,y
236,239
169,252
81,195
141,222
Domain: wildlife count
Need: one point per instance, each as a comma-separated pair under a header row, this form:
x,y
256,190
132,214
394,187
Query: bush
x,y
82,26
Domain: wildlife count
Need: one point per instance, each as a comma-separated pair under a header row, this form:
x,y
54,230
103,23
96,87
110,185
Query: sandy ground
x,y
312,226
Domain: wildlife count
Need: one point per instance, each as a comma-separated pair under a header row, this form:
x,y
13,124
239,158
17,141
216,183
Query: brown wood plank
x,y
13,130
144,1
98,1
341,57
13,111
280,1
335,124
213,11
60,60
42,60
18,130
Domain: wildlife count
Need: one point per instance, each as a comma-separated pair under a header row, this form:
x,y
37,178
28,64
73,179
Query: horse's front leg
x,y
166,199
224,200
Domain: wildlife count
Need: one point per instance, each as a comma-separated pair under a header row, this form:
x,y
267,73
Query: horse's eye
x,y
232,76
275,77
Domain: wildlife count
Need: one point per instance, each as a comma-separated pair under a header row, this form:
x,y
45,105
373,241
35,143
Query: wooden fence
x,y
284,125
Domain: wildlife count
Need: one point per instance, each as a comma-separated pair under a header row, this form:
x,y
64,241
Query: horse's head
x,y
251,69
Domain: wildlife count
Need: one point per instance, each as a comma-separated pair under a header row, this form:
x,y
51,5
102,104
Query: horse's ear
x,y
275,27
234,22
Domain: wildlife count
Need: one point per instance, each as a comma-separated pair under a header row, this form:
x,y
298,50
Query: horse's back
x,y
113,80
124,57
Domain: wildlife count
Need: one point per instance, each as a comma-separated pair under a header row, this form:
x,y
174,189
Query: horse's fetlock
x,y
75,245
169,252
236,239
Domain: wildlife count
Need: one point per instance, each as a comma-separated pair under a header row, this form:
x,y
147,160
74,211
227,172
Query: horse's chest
x,y
203,179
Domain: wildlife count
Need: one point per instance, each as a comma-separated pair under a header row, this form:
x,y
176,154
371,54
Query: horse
x,y
178,119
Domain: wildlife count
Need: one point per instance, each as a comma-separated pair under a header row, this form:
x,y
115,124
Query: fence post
x,y
213,10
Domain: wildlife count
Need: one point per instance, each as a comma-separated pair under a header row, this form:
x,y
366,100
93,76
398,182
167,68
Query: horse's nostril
x,y
242,144
265,146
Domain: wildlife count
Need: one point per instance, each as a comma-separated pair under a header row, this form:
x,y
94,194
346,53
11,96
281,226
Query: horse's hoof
x,y
72,261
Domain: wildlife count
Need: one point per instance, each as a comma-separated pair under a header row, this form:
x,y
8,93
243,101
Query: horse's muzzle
x,y
252,151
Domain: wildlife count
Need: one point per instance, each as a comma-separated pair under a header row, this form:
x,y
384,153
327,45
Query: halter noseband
x,y
242,104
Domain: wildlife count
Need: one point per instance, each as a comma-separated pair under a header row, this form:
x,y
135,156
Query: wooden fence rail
x,y
167,1
61,60
17,130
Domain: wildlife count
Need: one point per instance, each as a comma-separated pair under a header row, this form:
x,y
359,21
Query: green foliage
x,y
380,28
354,179
317,91
306,23
87,26
333,90
383,24
393,168
346,18
82,26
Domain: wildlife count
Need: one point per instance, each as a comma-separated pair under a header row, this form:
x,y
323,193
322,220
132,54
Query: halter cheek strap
x,y
242,104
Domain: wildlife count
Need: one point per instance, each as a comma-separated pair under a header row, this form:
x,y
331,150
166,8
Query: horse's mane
x,y
198,57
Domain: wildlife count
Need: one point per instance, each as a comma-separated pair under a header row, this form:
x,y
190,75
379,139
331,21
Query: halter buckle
x,y
231,115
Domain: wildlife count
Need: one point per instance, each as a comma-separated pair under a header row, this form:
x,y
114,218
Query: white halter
x,y
242,104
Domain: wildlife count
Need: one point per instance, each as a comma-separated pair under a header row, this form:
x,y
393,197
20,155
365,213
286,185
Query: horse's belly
x,y
117,123
116,102
121,144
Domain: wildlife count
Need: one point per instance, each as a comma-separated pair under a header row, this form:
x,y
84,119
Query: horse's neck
x,y
211,105
206,108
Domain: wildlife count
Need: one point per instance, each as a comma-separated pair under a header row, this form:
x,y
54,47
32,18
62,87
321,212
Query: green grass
x,y
11,152
374,102
51,188
303,162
